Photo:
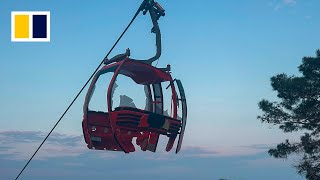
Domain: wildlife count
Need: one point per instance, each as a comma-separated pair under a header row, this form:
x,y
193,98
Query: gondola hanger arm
x,y
156,11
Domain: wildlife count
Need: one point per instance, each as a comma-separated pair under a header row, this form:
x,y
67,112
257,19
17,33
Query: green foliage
x,y
297,110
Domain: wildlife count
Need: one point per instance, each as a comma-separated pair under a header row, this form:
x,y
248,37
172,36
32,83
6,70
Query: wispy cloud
x,y
67,157
224,151
279,4
20,145
289,2
308,17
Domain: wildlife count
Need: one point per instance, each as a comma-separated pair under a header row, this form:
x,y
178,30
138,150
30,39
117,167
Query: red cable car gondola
x,y
115,129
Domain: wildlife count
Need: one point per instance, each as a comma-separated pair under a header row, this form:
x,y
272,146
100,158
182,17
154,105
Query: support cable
x,y
95,71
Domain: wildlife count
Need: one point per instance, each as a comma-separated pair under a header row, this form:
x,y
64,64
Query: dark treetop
x,y
298,110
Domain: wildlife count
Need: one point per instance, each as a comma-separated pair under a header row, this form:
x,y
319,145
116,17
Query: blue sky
x,y
223,51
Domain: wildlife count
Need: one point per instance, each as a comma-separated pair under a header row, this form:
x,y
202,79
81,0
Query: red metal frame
x,y
115,129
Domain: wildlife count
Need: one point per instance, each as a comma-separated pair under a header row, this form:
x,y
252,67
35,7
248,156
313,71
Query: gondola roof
x,y
139,72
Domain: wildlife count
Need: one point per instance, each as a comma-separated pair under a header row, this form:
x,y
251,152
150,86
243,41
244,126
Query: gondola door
x,y
183,101
157,107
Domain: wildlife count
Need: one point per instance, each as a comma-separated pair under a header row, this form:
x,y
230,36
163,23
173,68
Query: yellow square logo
x,y
30,26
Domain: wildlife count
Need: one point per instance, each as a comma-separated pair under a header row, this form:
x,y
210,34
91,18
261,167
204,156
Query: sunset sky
x,y
224,52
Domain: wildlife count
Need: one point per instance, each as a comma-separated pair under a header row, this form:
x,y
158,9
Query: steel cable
x,y
95,71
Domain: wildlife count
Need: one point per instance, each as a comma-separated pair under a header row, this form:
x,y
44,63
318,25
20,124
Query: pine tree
x,y
298,109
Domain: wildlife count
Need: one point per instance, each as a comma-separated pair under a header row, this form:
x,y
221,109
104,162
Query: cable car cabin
x,y
115,129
